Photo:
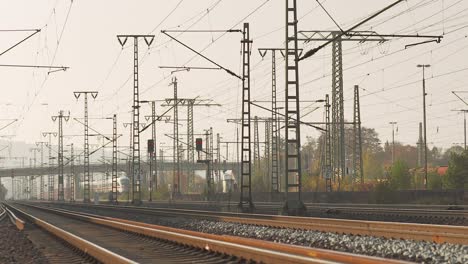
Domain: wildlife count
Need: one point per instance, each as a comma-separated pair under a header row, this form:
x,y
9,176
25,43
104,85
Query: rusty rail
x,y
95,251
244,248
15,220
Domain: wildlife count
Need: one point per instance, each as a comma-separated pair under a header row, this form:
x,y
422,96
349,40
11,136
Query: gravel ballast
x,y
417,251
15,247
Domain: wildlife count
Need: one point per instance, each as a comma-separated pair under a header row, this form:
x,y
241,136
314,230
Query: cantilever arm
x,y
201,55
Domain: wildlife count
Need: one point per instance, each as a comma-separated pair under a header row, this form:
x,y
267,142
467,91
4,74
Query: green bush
x,y
434,181
457,173
400,176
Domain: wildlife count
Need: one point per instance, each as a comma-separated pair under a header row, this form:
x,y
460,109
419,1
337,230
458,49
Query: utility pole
x,y
136,178
256,146
153,171
86,175
161,159
41,181
211,150
393,140
328,147
176,169
60,118
154,164
114,159
267,150
209,162
275,124
293,186
357,157
420,144
218,162
246,151
190,143
424,66
33,177
50,184
130,146
72,174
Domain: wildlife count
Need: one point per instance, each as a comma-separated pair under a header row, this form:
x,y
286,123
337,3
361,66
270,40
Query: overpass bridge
x,y
121,167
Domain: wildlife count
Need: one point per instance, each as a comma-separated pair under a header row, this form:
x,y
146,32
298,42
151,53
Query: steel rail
x,y
422,232
97,252
244,248
15,220
2,212
385,208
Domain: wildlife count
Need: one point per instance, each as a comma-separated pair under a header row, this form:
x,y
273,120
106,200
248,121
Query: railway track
x,y
424,214
420,232
146,243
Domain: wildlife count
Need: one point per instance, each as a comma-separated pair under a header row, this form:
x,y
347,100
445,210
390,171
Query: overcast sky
x,y
82,35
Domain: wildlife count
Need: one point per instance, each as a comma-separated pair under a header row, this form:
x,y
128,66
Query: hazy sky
x,y
82,35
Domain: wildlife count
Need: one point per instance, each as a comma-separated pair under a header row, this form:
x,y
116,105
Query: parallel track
x,y
426,214
424,232
185,246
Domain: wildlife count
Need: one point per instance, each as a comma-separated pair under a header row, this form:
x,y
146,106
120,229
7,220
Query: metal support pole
x,y
136,196
72,174
256,146
218,162
328,147
212,159
246,151
41,180
190,153
60,117
114,159
136,177
425,121
209,161
86,174
293,186
33,188
274,129
339,162
393,141
267,150
153,132
176,154
357,157
50,182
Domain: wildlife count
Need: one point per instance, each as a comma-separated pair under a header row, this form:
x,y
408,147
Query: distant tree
x,y
457,173
407,153
400,177
311,157
370,140
434,181
372,168
446,156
